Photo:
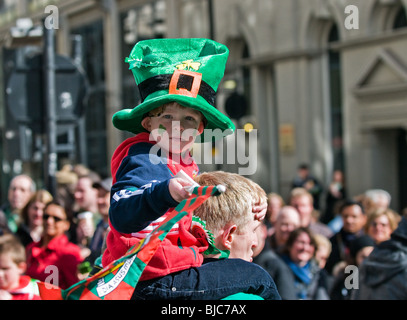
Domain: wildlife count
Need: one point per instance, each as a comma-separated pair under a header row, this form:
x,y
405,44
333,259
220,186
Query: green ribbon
x,y
212,250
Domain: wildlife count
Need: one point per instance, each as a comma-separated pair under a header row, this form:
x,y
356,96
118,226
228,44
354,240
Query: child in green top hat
x,y
177,80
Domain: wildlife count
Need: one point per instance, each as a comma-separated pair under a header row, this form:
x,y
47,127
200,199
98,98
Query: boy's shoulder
x,y
137,145
141,140
138,153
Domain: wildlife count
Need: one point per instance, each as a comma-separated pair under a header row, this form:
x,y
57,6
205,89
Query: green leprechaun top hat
x,y
187,71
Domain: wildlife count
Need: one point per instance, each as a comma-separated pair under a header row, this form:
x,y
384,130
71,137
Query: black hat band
x,y
184,81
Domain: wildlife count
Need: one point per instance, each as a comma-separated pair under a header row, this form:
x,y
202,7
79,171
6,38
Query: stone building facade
x,y
322,81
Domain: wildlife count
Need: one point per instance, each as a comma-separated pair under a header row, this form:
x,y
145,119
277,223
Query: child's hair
x,y
10,244
156,112
234,205
159,110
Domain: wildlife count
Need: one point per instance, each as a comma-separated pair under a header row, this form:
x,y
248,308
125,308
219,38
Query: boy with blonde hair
x,y
227,223
229,216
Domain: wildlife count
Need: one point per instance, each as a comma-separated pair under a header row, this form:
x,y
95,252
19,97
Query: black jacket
x,y
383,274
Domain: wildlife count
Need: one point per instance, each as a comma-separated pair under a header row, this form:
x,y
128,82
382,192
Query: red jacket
x,y
140,200
58,261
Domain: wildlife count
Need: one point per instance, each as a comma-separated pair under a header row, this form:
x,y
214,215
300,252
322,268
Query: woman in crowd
x,y
381,223
311,282
54,258
30,229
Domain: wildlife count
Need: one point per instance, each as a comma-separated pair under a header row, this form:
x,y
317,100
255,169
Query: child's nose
x,y
177,126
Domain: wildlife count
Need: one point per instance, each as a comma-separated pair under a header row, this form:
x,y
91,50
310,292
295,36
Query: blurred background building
x,y
323,81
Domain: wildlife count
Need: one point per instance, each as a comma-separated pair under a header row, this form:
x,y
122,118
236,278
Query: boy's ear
x,y
228,235
146,123
201,127
22,267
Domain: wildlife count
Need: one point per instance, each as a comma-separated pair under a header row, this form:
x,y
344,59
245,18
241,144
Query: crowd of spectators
x,y
325,247
61,234
313,251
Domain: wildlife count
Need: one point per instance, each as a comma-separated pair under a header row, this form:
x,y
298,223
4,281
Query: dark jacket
x,y
279,271
140,200
23,233
3,223
340,248
383,274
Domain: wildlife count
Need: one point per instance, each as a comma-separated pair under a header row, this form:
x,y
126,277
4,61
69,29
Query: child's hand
x,y
177,189
259,210
4,295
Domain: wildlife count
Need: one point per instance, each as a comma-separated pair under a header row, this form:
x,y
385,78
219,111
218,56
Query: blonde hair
x,y
10,244
300,192
42,196
393,217
234,205
322,241
275,195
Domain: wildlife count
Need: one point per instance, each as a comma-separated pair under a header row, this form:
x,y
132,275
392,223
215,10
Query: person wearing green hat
x,y
186,71
177,80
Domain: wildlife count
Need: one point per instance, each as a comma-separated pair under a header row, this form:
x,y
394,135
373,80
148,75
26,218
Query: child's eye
x,y
189,118
167,116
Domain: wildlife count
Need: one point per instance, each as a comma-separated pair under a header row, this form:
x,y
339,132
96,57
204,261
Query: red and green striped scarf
x,y
118,280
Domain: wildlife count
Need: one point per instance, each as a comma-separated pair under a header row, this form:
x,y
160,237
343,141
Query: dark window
x,y
95,111
401,19
336,102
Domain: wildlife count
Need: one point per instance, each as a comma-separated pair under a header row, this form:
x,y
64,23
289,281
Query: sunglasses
x,y
56,219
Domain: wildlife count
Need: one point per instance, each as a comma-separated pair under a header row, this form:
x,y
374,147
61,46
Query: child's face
x,y
10,272
245,241
176,128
